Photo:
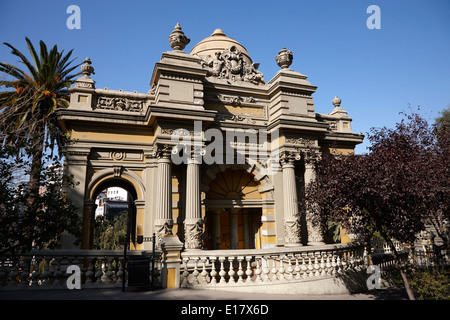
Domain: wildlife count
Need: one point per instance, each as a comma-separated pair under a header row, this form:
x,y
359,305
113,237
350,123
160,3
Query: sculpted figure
x,y
252,75
217,65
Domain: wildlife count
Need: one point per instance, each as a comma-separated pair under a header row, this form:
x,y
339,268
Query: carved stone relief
x,y
229,64
120,104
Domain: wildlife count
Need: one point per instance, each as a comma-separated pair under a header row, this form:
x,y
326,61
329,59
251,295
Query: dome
x,y
218,41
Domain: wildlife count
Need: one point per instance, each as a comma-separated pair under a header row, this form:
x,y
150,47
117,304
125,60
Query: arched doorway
x,y
233,211
129,206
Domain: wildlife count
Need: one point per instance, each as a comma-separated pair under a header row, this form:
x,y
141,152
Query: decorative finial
x,y
336,102
284,58
178,41
86,68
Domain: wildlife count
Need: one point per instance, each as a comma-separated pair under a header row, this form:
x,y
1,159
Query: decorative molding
x,y
236,100
173,76
120,104
235,118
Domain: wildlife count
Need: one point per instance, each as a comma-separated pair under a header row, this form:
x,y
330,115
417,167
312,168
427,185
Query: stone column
x,y
193,224
234,236
164,222
315,233
291,212
216,230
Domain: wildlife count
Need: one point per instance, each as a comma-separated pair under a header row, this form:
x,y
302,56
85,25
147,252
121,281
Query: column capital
x,y
288,157
159,151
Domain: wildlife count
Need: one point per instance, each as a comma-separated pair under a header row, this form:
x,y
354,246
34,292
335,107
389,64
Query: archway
x,y
89,214
233,211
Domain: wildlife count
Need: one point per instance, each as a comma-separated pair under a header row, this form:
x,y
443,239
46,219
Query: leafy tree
x,y
394,189
38,224
110,234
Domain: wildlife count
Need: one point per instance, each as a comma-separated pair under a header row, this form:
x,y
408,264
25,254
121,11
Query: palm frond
x,y
24,60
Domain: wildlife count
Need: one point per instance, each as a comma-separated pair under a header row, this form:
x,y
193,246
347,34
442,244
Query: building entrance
x,y
232,228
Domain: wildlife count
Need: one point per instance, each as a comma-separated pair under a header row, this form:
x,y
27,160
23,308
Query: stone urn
x,y
284,58
178,41
86,68
336,102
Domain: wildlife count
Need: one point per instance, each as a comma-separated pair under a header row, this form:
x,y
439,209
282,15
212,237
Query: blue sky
x,y
376,73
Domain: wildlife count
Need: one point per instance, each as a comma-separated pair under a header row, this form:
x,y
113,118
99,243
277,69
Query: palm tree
x,y
27,107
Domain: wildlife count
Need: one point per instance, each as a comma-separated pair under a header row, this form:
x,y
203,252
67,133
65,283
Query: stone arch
x,y
118,174
114,177
256,170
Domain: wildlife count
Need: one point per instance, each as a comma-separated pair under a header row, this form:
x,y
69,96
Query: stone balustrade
x,y
47,268
222,268
308,269
381,246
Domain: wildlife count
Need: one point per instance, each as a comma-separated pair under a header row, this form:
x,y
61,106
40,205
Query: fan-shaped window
x,y
233,184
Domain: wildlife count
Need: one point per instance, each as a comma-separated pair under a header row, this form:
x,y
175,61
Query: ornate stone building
x,y
213,153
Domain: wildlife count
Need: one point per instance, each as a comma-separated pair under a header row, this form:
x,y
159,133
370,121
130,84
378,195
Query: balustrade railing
x,y
278,265
47,268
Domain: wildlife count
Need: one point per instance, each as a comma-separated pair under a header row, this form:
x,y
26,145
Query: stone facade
x,y
249,197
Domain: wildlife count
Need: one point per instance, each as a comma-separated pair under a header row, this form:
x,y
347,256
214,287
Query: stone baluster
x,y
213,272
328,264
109,274
185,274
204,273
316,265
266,270
104,269
274,270
222,272
99,272
289,270
258,271
89,273
322,264
248,271
195,273
297,268
281,270
240,273
231,271
333,263
344,261
338,264
310,267
119,272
